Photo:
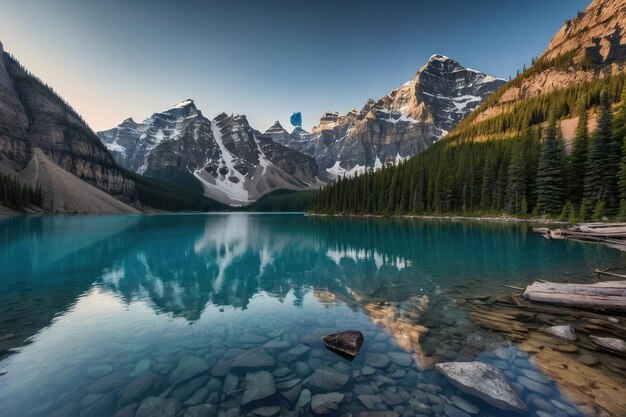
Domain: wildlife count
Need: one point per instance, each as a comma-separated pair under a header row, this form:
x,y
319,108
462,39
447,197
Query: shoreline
x,y
501,219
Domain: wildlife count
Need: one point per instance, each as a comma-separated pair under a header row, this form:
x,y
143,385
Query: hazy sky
x,y
112,59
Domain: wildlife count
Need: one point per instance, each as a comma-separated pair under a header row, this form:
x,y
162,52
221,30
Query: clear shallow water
x,y
99,313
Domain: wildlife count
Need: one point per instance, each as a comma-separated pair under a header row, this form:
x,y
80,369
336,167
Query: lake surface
x,y
97,314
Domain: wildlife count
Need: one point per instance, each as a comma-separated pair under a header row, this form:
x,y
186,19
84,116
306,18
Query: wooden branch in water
x,y
610,295
611,274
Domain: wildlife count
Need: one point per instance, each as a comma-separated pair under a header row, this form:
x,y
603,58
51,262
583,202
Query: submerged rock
x,y
464,405
137,387
327,379
203,410
376,360
304,399
348,343
158,407
255,358
588,360
325,403
188,367
483,381
259,385
566,332
270,411
401,359
616,345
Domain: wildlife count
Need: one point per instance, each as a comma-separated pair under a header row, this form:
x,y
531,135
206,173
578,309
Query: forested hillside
x,y
509,155
520,169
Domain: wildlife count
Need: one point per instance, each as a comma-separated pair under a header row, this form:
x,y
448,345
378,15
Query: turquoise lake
x,y
98,314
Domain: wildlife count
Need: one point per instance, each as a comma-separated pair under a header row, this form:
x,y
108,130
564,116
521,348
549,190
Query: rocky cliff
x,y
402,123
592,45
33,116
225,158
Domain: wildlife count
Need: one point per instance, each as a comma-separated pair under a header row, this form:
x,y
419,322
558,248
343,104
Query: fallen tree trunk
x,y
609,234
609,295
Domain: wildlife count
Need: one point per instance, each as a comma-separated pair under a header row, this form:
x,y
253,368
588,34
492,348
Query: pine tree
x,y
551,170
516,186
619,131
596,187
578,157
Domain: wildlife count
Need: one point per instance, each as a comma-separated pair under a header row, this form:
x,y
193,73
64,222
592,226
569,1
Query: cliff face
x,y
33,116
598,33
592,45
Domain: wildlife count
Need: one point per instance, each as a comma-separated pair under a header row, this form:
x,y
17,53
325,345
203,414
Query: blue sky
x,y
119,58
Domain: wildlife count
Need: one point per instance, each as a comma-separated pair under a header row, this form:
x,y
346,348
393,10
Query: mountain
x,y
550,142
51,161
402,123
33,116
223,158
587,48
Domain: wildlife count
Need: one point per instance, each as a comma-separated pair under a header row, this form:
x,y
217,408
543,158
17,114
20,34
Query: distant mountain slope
x,y
33,116
66,193
224,158
404,122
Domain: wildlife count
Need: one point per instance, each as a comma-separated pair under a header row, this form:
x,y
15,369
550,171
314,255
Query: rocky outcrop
x,y
225,157
591,45
33,116
597,33
404,122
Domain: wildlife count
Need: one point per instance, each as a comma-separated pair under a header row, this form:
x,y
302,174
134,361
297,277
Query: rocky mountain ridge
x,y
398,125
224,158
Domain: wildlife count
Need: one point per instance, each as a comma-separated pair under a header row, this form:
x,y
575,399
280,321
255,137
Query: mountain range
x,y
51,160
224,157
229,161
396,126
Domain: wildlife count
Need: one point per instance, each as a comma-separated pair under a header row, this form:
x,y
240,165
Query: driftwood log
x,y
609,234
608,295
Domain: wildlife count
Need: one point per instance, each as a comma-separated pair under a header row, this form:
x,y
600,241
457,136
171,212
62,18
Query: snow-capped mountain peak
x,y
225,158
438,57
184,103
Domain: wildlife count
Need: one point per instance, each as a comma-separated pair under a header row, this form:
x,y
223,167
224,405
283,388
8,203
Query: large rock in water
x,y
483,381
615,345
348,343
566,332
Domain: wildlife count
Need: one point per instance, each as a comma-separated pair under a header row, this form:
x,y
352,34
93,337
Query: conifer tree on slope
x,y
597,182
551,170
619,132
516,185
578,157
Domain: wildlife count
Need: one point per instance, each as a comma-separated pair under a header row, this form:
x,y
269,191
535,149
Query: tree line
x,y
15,195
522,172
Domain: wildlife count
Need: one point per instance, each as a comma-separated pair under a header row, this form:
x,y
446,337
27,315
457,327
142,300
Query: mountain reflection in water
x,y
127,281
